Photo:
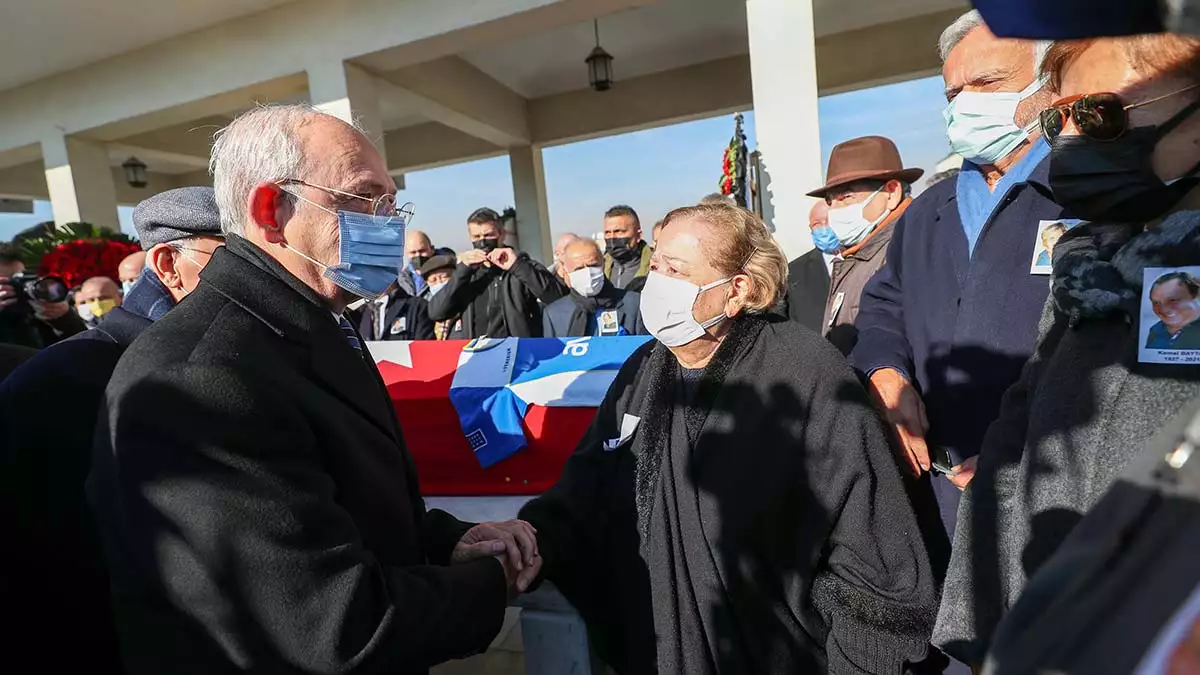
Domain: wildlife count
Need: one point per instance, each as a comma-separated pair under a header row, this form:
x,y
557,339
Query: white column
x,y
783,68
79,180
529,193
348,92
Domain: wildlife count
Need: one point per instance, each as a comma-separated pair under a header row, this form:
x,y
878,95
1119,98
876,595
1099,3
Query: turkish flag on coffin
x,y
419,377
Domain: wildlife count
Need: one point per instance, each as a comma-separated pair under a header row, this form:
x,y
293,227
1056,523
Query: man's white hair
x,y
261,145
968,22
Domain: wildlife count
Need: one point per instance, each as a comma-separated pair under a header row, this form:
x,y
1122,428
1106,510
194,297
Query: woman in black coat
x,y
735,507
1089,398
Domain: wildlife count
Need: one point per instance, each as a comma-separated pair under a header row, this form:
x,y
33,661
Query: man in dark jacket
x,y
254,495
867,189
808,275
626,256
27,322
495,290
395,315
946,325
48,410
595,307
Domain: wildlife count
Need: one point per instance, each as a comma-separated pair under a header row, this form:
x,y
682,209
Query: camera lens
x,y
49,289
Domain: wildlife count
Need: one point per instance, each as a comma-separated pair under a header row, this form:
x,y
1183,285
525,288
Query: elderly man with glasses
x,y
256,502
947,323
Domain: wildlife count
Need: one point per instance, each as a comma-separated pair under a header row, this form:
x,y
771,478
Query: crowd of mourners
x,y
953,437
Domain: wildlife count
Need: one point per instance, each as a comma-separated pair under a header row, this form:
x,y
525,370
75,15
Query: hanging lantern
x,y
135,172
600,73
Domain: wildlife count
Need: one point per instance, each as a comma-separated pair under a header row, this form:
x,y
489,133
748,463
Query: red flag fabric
x,y
418,376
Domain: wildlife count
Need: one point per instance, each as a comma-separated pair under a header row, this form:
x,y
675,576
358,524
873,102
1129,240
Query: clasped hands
x,y
512,542
500,257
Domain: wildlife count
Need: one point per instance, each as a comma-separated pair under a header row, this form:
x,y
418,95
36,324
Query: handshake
x,y
513,543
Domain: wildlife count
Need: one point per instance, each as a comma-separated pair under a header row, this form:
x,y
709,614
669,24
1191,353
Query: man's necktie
x,y
348,331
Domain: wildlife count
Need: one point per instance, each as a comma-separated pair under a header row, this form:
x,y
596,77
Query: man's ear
x,y
269,209
895,193
161,258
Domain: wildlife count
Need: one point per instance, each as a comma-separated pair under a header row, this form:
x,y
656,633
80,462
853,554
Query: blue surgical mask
x,y
434,288
370,253
980,125
825,240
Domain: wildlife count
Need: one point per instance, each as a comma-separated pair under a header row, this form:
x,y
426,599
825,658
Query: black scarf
x,y
585,308
1098,266
663,370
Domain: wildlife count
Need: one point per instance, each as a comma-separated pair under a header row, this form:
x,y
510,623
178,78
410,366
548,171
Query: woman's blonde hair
x,y
742,245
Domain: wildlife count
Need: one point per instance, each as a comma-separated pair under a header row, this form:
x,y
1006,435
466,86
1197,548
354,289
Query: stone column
x,y
783,69
348,92
529,193
79,180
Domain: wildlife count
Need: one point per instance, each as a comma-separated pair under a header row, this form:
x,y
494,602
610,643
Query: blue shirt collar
x,y
976,202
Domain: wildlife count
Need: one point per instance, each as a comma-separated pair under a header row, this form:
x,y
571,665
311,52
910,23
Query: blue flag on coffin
x,y
497,380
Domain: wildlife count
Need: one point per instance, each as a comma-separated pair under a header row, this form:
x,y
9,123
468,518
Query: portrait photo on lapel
x,y
1170,308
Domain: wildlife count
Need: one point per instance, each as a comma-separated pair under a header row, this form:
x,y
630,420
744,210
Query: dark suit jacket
x,y
808,290
405,318
256,501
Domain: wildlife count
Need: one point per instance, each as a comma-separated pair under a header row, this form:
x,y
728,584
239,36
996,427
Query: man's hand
x,y
473,258
49,311
503,258
518,582
515,539
963,473
904,410
8,294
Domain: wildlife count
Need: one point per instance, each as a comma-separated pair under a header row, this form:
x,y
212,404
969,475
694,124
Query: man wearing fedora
x,y
866,189
947,324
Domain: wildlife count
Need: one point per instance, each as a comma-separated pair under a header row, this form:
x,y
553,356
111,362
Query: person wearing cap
x,y
437,272
48,414
866,189
947,323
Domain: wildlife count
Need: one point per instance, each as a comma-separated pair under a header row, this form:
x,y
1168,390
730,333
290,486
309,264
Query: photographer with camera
x,y
33,310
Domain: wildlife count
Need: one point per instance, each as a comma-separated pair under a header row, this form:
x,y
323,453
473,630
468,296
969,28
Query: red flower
x,y
77,261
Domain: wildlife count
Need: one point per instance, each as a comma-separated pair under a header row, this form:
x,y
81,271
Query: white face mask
x,y
666,309
980,125
587,281
850,224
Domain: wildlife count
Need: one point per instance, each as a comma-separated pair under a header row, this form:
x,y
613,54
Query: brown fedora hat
x,y
866,158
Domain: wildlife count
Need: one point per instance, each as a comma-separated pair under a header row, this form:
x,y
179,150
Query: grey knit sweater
x,y
1082,409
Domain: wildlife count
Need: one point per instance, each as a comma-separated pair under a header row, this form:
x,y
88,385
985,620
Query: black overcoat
x,y
256,502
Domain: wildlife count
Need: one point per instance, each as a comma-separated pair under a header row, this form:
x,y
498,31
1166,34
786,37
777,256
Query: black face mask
x,y
1113,181
618,248
486,245
418,261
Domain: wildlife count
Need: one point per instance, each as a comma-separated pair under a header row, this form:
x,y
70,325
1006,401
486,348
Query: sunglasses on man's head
x,y
1102,116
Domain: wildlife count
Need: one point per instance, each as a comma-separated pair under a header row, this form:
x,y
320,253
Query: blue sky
x,y
653,170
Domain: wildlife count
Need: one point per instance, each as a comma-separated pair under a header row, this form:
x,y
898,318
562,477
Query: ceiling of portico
x,y
85,31
665,35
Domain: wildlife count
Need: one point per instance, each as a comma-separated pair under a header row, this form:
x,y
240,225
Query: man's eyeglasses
x,y
383,205
1102,116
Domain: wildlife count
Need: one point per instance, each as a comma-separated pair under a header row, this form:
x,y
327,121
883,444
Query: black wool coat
x,y
514,298
256,502
808,291
783,540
